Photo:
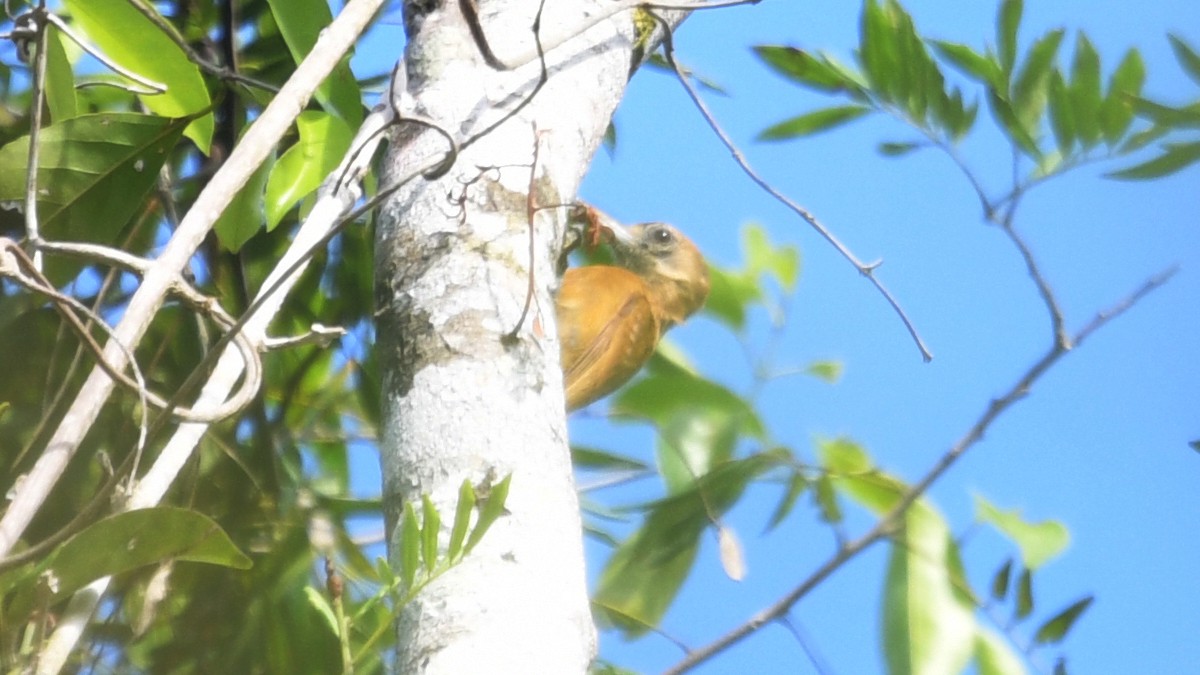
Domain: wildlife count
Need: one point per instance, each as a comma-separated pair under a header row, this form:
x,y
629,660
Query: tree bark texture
x,y
464,396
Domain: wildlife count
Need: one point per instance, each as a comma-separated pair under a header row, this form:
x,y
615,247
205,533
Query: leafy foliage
x,y
271,494
1031,96
117,168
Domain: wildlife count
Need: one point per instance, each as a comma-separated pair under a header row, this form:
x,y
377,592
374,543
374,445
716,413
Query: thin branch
x,y
1053,308
151,85
888,523
39,284
258,142
228,73
32,228
867,270
12,259
530,214
814,657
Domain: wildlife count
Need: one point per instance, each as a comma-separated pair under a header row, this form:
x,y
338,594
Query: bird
x,y
611,317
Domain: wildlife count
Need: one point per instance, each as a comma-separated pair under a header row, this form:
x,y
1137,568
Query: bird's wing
x,y
607,329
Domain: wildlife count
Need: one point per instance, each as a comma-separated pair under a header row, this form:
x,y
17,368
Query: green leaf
x,y
1187,57
60,80
1030,88
730,294
410,547
300,23
320,604
462,518
1085,91
899,149
964,117
829,371
1175,157
1138,140
1124,88
610,139
843,456
492,509
324,139
692,443
669,391
985,69
806,69
1039,542
796,485
826,501
1008,23
994,655
780,261
244,217
136,44
1062,114
813,122
1001,580
84,162
879,50
645,573
430,527
700,421
1183,117
854,474
125,542
1017,134
602,460
929,626
1024,594
1054,630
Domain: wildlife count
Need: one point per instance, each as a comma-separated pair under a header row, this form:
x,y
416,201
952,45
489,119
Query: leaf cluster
x,y
1056,116
117,168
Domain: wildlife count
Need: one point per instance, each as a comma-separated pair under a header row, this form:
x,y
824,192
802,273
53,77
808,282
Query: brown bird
x,y
610,318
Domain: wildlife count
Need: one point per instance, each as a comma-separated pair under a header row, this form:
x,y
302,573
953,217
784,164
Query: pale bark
x,y
461,400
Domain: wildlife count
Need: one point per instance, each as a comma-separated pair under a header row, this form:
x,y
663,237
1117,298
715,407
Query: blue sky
x,y
1100,444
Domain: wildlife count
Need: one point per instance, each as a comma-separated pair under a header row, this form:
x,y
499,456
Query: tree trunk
x,y
470,388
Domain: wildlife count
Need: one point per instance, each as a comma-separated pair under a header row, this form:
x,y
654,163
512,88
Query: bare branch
x,y
865,269
888,523
245,158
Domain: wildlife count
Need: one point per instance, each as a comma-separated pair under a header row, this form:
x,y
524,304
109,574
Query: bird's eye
x,y
661,236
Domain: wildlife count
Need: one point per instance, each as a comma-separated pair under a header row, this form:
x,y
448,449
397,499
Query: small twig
x,y
889,522
39,284
154,87
1057,323
317,334
530,214
867,270
12,258
32,228
116,257
224,73
818,662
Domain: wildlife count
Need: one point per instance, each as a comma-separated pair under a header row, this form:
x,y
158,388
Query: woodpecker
x,y
611,317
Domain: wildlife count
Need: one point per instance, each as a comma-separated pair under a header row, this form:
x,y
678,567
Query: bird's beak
x,y
607,225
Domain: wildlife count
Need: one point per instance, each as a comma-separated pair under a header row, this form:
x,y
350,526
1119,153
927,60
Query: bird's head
x,y
669,263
